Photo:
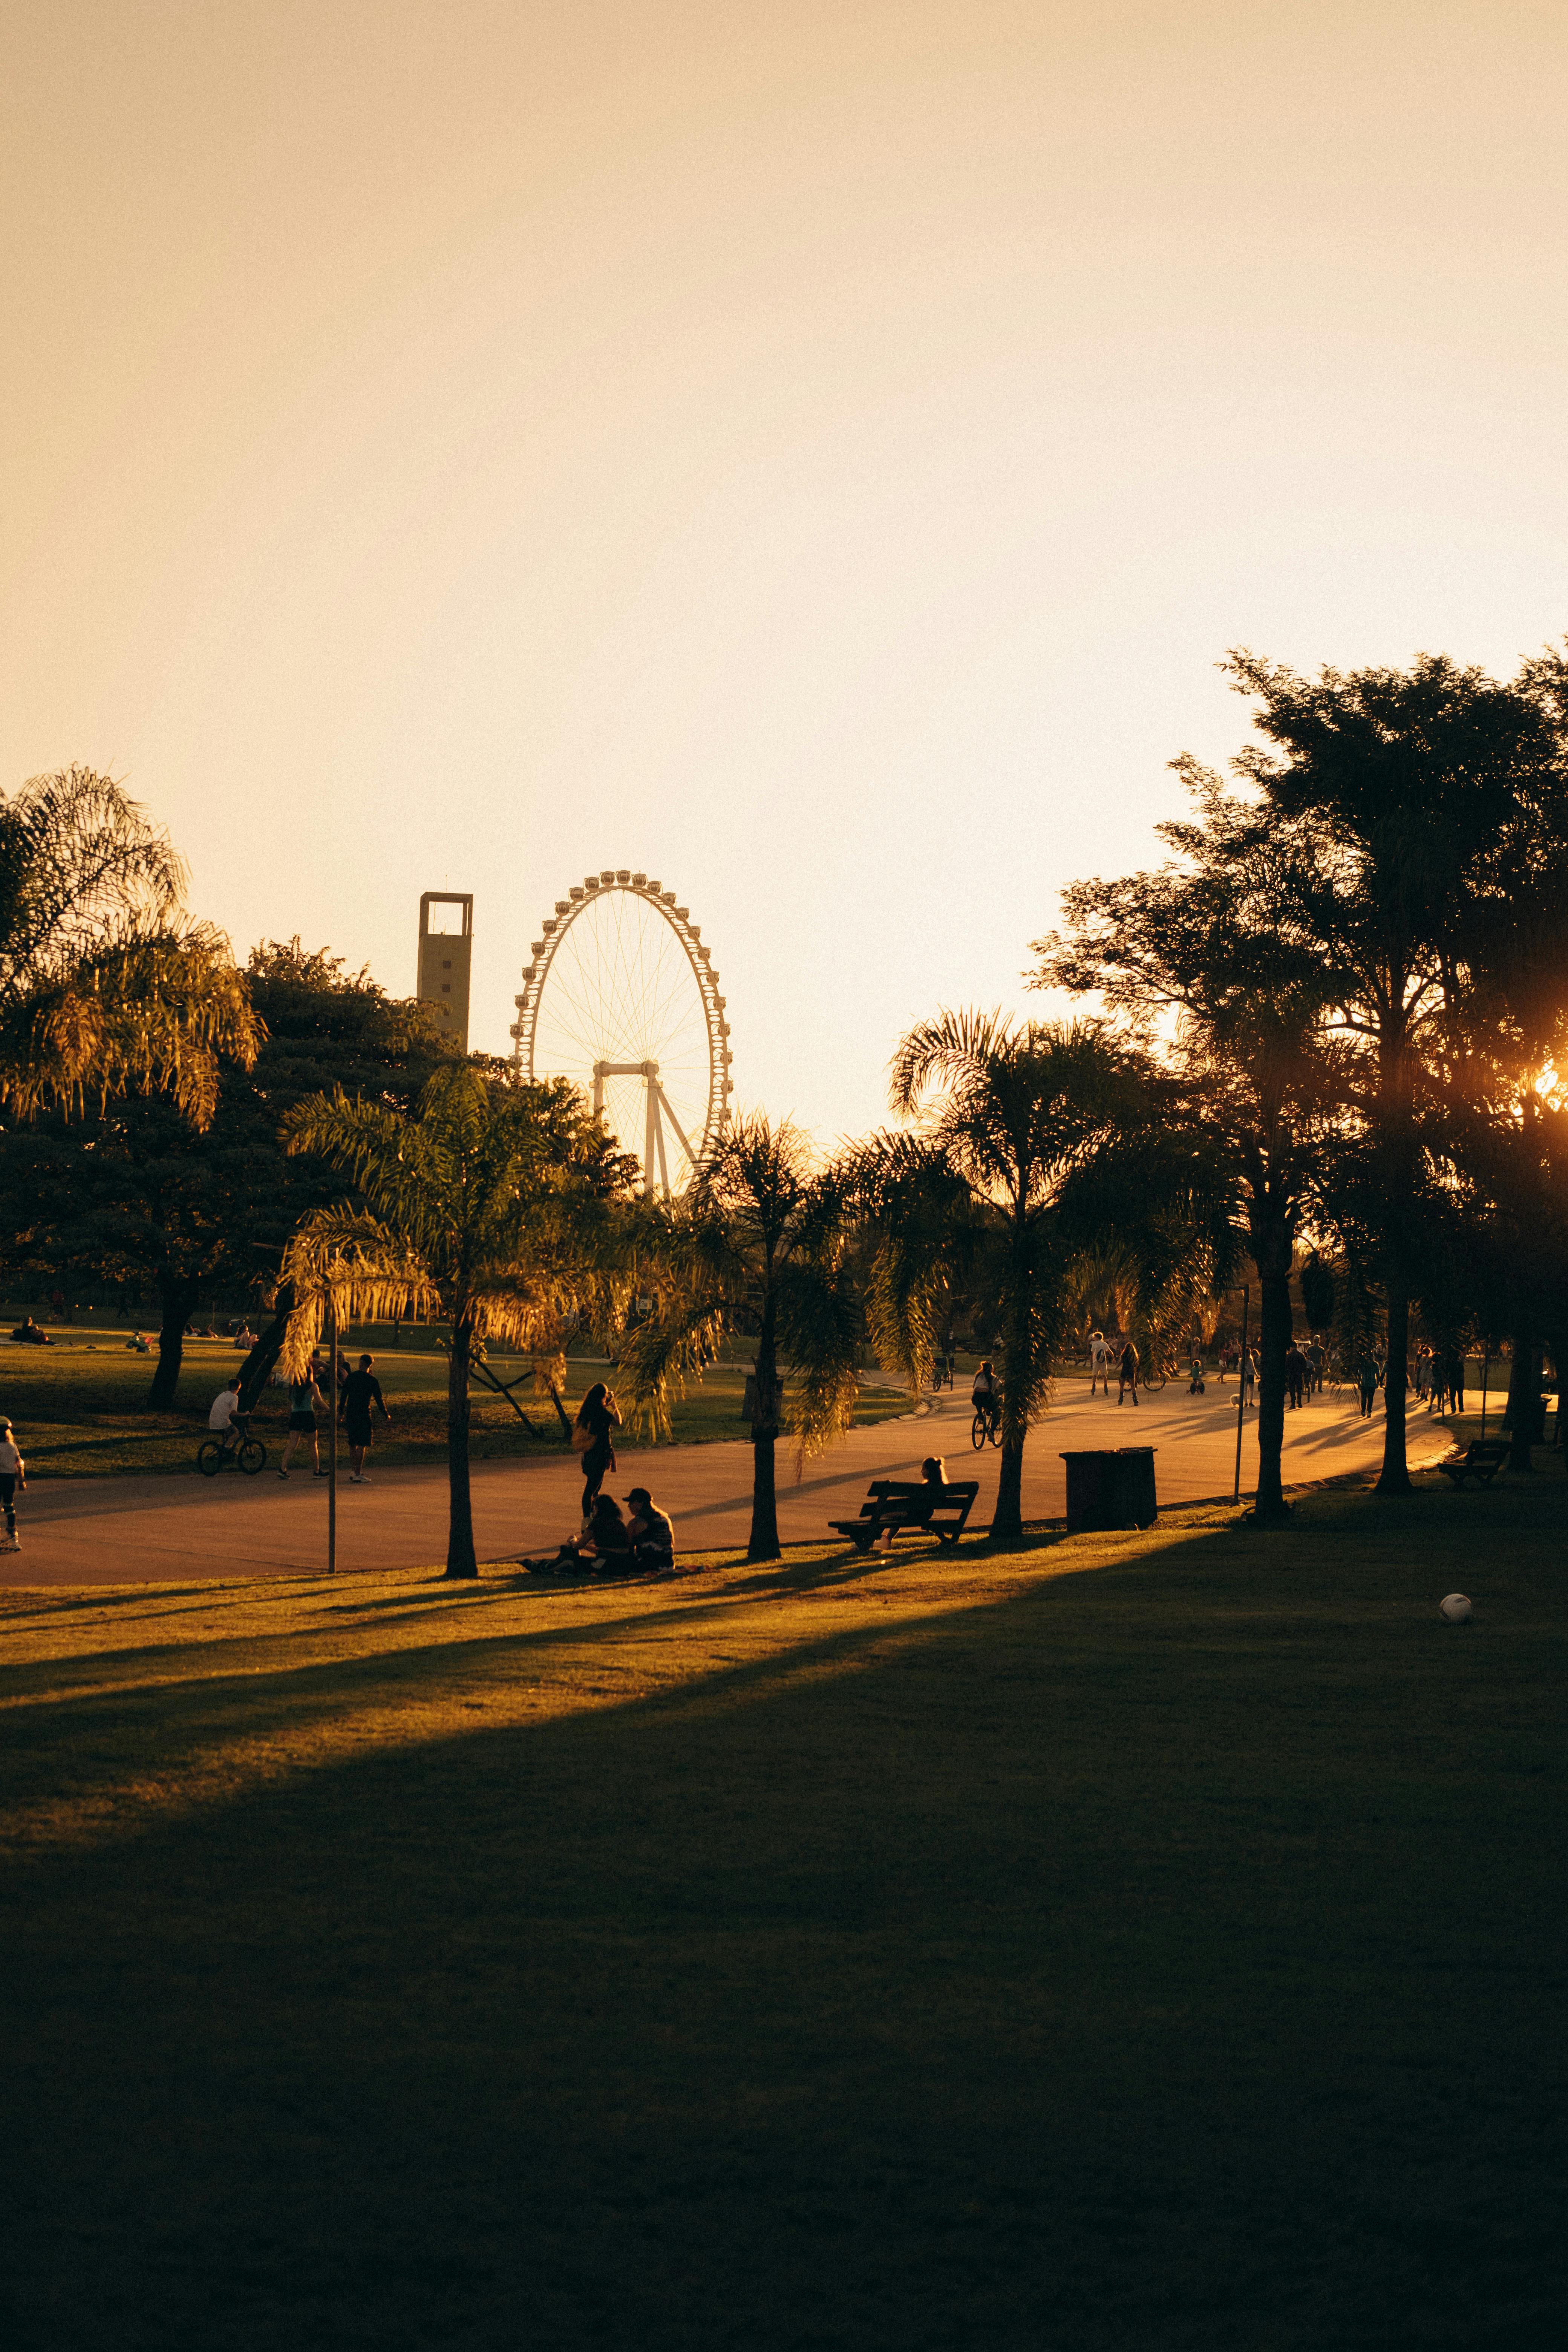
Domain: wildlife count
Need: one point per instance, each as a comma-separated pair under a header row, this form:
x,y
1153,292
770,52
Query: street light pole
x,y
1241,1388
332,1447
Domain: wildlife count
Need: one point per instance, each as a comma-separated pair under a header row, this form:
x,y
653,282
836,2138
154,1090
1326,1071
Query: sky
x,y
816,455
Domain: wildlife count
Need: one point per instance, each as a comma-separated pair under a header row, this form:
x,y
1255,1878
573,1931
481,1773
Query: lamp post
x,y
333,1443
1241,1389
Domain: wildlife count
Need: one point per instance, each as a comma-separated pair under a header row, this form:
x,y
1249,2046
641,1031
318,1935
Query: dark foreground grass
x,y
1128,1942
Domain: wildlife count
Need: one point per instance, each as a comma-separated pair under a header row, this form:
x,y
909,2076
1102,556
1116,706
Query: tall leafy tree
x,y
490,1204
1382,837
135,1192
1018,1114
757,1246
106,986
1244,1035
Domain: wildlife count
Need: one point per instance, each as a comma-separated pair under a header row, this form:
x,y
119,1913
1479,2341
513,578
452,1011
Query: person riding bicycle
x,y
985,1398
225,1419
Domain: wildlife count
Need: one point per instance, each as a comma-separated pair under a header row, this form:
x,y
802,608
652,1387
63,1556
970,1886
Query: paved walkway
x,y
172,1530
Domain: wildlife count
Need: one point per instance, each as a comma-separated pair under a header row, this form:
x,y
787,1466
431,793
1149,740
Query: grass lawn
x,y
79,1411
1149,1941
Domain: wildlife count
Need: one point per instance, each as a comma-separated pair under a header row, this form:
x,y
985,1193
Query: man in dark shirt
x,y
1295,1370
652,1534
361,1392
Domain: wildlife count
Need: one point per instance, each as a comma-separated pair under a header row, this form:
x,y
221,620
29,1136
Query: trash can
x,y
1113,1488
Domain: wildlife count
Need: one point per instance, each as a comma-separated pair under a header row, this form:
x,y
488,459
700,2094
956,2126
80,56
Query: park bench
x,y
908,1506
1482,1459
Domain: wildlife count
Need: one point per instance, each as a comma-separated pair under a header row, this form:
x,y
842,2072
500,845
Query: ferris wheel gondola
x,y
621,997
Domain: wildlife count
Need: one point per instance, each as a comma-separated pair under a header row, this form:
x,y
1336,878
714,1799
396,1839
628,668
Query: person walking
x,y
362,1393
1098,1362
597,1415
1127,1373
1366,1380
1295,1374
1246,1373
13,1482
304,1398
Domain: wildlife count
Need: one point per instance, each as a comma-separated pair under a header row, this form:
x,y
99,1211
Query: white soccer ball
x,y
1455,1608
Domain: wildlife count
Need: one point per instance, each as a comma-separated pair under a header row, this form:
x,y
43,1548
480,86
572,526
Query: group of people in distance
x,y
637,1540
359,1397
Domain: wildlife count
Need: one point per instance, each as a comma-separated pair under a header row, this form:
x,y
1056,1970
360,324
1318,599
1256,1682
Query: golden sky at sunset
x,y
814,454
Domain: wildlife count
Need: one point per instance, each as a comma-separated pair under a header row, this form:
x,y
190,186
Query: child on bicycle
x,y
226,1419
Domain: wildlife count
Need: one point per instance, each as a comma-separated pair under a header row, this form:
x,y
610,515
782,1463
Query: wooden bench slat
x,y
900,1505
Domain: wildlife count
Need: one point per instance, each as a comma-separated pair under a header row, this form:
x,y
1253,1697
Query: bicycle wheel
x,y
993,1430
252,1457
977,1432
209,1458
1156,1379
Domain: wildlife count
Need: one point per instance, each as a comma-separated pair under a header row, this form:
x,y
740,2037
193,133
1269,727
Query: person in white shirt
x,y
226,1418
13,1476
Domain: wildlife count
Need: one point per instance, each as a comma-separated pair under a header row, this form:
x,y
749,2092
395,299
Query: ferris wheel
x,y
621,998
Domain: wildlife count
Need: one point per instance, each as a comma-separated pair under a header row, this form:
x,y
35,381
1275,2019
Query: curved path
x,y
163,1529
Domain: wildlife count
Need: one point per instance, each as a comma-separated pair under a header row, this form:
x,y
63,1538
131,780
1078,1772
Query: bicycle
x,y
249,1455
985,1426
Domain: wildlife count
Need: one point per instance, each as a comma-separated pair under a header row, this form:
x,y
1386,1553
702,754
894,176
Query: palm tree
x,y
758,1245
921,1239
493,1206
1017,1114
105,987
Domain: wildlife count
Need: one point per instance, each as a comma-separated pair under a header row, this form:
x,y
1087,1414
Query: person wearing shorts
x,y
362,1394
303,1396
13,1481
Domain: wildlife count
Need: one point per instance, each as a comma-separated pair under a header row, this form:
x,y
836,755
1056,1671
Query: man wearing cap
x,y
652,1534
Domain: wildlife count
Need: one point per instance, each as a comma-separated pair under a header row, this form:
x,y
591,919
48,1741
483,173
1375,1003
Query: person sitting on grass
x,y
608,1534
30,1335
603,1533
651,1531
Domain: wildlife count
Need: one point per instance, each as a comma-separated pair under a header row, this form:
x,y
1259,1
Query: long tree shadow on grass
x,y
1076,1969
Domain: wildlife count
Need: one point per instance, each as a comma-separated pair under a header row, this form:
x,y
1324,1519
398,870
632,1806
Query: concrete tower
x,y
446,946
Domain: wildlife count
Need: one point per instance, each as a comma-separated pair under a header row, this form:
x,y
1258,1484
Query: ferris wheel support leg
x,y
664,1105
663,1163
650,1132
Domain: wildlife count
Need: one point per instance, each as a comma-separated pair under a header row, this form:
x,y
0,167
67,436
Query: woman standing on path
x,y
1127,1370
13,1481
596,1416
